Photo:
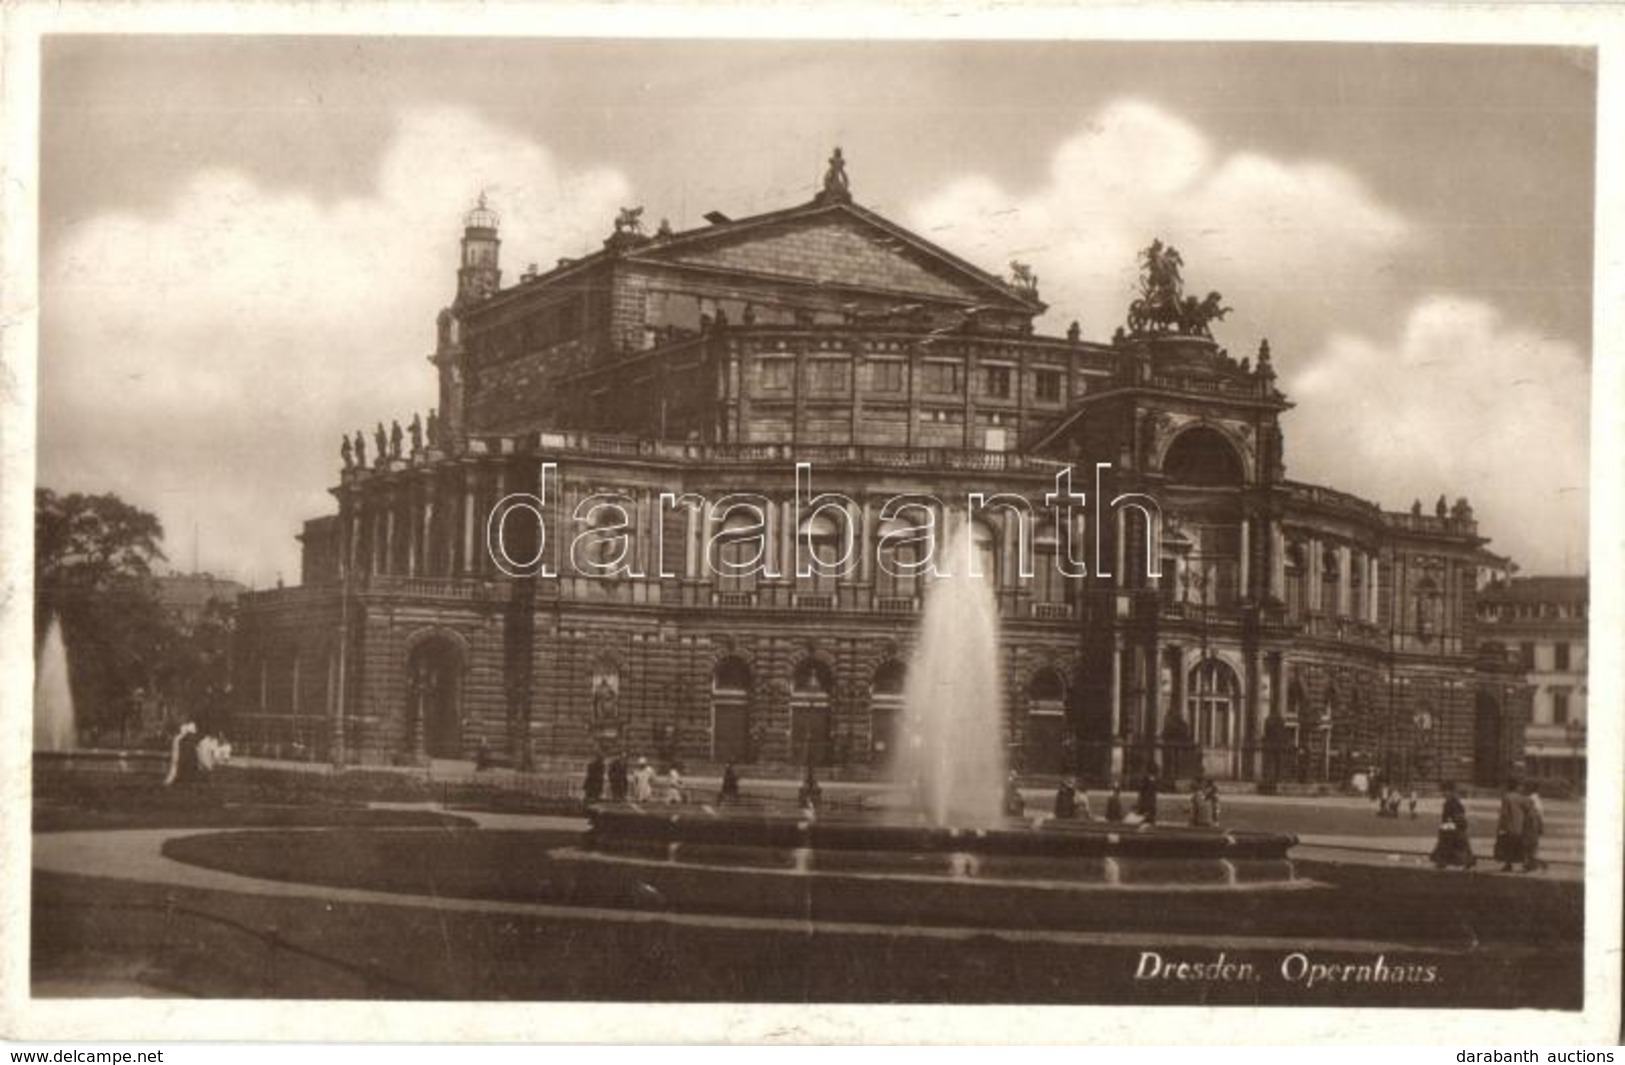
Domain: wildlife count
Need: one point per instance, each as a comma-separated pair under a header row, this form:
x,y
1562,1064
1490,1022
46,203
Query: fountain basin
x,y
1057,853
99,760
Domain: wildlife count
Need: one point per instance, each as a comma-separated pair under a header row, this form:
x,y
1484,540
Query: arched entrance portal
x,y
730,711
1044,744
810,689
886,712
434,674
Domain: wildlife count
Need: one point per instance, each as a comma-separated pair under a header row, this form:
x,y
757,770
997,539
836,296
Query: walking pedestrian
x,y
1114,803
729,792
1453,846
1509,827
674,785
811,796
1146,807
1534,826
1066,800
1210,794
592,789
643,782
1200,817
1014,804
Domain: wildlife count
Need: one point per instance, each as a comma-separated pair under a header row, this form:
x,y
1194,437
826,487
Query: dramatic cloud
x,y
1459,403
1265,232
204,361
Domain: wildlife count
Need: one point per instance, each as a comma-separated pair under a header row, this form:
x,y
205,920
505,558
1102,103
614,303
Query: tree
x,y
93,559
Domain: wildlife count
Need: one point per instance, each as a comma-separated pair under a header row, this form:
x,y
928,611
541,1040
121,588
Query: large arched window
x,y
1297,584
811,688
823,538
1330,581
1213,697
730,711
896,556
1425,609
1049,586
985,543
1202,456
738,551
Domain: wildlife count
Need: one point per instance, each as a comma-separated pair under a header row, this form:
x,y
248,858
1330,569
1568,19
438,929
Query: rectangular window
x,y
887,376
827,375
1560,706
777,373
1526,655
942,378
998,382
1560,654
1048,385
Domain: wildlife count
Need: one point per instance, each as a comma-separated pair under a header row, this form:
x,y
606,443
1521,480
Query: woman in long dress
x,y
1453,847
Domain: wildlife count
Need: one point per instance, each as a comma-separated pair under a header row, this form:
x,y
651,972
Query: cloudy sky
x,y
245,241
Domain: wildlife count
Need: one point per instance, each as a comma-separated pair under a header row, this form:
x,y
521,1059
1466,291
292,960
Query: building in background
x,y
1542,622
661,391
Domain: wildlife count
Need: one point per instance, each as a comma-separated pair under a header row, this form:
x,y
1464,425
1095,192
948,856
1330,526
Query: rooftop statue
x,y
346,454
1022,277
1162,306
630,220
836,184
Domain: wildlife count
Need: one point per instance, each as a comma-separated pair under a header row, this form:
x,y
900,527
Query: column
x,y
1313,575
469,560
389,536
643,536
1122,543
1371,588
866,546
1246,557
1117,685
691,541
1277,561
1345,563
428,531
787,540
414,531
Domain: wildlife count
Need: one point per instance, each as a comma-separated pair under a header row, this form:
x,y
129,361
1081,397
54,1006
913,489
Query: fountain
x,y
956,836
55,727
58,754
955,758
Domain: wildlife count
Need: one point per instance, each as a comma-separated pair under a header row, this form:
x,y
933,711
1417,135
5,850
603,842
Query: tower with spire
x,y
480,274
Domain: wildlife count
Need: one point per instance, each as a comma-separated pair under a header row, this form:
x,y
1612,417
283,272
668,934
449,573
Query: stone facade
x,y
1243,625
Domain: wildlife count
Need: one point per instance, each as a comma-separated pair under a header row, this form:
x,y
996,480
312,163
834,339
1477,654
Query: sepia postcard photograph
x,y
806,521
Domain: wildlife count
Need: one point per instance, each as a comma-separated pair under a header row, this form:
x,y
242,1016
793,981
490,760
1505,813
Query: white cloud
x,y
1258,229
203,361
1460,403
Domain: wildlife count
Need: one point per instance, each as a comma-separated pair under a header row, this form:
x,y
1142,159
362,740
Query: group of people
x,y
194,754
1072,802
629,780
1390,798
1518,828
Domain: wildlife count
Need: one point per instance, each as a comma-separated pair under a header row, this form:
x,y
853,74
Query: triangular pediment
x,y
840,245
